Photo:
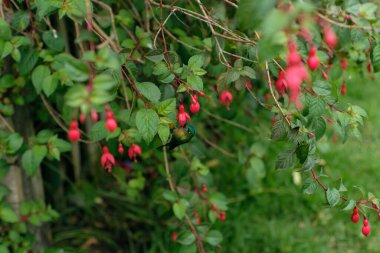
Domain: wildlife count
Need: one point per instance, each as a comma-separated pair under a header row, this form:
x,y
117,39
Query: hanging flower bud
x,y
111,123
94,116
293,55
313,61
369,67
120,148
107,160
133,151
324,75
344,63
222,216
204,188
267,97
226,99
182,115
330,37
281,84
201,93
73,134
366,229
174,236
355,217
195,106
248,84
343,90
82,118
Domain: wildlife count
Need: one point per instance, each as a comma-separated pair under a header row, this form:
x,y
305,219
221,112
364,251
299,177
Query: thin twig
x,y
10,128
229,121
273,95
222,58
172,188
215,146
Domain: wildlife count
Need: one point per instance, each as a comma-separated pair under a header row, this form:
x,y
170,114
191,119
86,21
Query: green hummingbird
x,y
181,135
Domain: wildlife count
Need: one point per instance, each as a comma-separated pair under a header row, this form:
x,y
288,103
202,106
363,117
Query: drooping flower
x,y
73,134
195,106
107,160
312,60
281,84
110,123
182,115
330,37
133,151
226,98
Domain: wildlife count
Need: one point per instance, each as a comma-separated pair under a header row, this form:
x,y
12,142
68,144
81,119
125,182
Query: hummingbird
x,y
181,135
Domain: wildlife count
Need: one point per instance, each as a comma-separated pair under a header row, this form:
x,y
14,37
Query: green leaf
x,y
302,151
147,122
318,127
76,96
98,131
4,191
104,82
214,237
169,196
5,30
32,159
163,133
4,168
250,13
350,205
333,196
322,88
186,238
155,55
15,141
196,62
342,188
179,209
53,40
309,186
39,75
150,91
28,61
279,130
232,75
49,85
376,58
8,215
219,200
285,160
167,106
195,82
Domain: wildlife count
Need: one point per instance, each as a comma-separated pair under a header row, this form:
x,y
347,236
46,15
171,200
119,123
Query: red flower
x,y
120,148
111,123
293,55
226,98
133,151
73,134
281,84
107,160
313,61
366,229
195,106
343,90
182,116
330,37
344,63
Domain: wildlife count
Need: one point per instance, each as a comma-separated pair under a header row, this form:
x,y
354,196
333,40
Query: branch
x,y
273,96
172,188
